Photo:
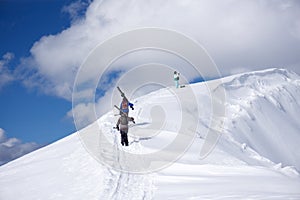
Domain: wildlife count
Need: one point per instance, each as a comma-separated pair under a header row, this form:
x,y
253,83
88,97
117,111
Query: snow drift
x,y
256,156
263,108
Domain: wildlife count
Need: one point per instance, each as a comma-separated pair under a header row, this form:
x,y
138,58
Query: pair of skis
x,y
123,95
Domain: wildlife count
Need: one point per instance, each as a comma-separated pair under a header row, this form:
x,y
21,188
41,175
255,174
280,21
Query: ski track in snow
x,y
121,185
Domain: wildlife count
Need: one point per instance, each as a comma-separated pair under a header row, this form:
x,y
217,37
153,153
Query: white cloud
x,y
84,112
75,9
239,35
6,75
12,148
2,136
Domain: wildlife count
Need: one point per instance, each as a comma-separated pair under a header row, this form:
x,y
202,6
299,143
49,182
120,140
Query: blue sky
x,y
24,22
27,114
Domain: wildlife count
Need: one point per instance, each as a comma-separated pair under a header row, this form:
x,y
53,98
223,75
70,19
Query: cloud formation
x,y
239,35
76,9
12,148
6,75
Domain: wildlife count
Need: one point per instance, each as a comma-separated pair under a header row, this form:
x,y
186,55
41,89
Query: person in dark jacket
x,y
122,126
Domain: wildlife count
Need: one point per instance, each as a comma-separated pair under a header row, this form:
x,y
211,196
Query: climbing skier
x,y
176,79
125,104
122,126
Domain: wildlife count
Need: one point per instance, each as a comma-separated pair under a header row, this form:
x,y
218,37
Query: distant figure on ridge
x,y
176,79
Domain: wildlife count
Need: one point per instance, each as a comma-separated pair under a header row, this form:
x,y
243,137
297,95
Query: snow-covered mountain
x,y
255,158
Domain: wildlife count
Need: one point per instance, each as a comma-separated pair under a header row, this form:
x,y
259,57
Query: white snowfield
x,y
256,157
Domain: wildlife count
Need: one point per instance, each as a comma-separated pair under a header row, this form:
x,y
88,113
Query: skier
x,y
122,126
125,103
176,79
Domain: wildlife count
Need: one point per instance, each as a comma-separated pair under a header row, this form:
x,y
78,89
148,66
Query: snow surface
x,y
255,158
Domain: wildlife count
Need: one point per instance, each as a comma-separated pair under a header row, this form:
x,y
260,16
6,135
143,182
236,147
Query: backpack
x,y
123,120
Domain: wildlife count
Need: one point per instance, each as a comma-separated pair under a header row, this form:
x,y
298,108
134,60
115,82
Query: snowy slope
x,y
267,106
256,157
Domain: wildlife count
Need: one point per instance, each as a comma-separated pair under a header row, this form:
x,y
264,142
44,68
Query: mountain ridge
x,y
255,156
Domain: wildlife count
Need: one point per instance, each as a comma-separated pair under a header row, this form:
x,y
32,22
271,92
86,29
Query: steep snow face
x,y
263,113
256,155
